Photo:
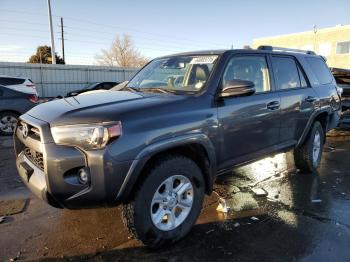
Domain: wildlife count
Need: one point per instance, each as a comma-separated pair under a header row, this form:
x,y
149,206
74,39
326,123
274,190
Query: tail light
x,y
33,99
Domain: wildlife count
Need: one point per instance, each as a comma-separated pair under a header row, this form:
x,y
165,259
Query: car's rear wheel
x,y
167,203
8,121
308,156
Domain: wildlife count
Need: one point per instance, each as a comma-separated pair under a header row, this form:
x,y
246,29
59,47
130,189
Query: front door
x,y
248,124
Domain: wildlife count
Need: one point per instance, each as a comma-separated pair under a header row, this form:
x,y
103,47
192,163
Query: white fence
x,y
54,80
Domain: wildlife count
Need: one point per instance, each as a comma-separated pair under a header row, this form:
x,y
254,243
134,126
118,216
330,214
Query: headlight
x,y
86,136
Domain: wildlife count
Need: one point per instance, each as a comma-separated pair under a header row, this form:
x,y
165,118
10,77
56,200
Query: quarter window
x,y
249,68
320,69
7,81
286,72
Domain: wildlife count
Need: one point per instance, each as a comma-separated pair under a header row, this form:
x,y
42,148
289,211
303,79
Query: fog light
x,y
84,176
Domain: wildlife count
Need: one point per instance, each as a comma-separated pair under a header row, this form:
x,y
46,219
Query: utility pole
x,y
62,39
315,35
53,54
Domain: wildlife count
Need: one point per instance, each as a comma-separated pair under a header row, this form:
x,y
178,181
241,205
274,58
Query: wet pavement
x,y
274,213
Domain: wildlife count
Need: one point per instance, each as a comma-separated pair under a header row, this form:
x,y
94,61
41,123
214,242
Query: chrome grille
x,y
35,157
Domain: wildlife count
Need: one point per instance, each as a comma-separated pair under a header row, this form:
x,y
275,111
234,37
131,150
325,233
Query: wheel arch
x,y
10,111
321,116
196,147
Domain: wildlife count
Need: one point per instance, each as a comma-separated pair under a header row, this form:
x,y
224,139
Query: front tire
x,y
307,157
8,121
167,203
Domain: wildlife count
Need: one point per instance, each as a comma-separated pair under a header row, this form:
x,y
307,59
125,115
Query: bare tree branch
x,y
121,53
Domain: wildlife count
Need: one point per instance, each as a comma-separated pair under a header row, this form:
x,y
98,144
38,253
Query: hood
x,y
95,107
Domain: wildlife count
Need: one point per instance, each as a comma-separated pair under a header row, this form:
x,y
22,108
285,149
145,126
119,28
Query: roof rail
x,y
283,49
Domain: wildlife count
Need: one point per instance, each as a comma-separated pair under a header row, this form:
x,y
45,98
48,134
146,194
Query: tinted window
x,y
320,69
303,81
6,81
250,68
286,72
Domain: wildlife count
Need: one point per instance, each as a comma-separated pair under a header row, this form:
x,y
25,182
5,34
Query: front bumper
x,y
34,179
53,174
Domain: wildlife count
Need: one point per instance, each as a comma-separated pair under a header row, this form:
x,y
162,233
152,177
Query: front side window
x,y
286,72
250,68
176,73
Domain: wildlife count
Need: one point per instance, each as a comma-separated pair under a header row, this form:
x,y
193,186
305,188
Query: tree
x,y
121,53
43,56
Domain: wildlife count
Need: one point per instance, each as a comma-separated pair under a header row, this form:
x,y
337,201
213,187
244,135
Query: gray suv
x,y
157,143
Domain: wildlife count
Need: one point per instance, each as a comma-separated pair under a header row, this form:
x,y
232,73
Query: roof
x,y
222,51
200,52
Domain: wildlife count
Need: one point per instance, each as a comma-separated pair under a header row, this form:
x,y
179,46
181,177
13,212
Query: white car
x,y
21,84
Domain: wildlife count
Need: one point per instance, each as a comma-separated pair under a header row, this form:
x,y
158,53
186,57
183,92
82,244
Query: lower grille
x,y
35,157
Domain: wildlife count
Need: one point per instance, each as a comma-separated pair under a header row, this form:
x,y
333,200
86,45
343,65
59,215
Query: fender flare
x,y
311,120
149,151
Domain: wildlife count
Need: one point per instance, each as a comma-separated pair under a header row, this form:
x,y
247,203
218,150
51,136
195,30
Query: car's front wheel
x,y
167,203
308,156
8,121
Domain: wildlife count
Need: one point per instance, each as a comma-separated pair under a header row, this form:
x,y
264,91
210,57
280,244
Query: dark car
x,y
12,105
95,86
342,77
157,145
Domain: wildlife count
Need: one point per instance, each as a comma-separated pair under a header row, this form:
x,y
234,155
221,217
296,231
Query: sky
x,y
156,27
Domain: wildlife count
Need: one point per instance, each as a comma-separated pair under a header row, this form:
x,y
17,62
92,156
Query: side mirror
x,y
237,87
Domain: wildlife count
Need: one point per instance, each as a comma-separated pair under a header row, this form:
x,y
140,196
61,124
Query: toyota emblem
x,y
25,130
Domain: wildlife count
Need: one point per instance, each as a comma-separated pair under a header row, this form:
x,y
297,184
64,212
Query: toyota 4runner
x,y
156,143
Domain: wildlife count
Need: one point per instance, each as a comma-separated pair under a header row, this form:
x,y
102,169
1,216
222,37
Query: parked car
x,y
12,105
95,86
342,77
21,84
157,145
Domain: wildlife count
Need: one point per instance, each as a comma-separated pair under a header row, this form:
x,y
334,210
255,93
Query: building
x,y
332,42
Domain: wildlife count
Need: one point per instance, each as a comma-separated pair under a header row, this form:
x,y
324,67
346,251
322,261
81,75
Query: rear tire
x,y
8,122
307,157
167,203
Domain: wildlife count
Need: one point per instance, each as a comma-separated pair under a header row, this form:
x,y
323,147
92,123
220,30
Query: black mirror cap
x,y
238,87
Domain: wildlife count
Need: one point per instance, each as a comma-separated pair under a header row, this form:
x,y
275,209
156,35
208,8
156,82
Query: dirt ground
x,y
274,213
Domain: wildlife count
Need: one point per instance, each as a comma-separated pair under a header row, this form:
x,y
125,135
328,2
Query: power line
x,y
110,26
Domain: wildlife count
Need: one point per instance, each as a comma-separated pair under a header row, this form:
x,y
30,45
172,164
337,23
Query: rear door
x,y
248,124
298,99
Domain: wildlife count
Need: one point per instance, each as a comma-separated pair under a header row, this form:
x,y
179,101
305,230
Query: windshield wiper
x,y
131,88
159,90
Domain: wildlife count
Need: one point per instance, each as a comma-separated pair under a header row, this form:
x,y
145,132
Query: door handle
x,y
310,99
274,105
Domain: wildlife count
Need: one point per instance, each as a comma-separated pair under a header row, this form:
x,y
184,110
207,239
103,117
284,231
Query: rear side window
x,y
320,69
286,72
7,81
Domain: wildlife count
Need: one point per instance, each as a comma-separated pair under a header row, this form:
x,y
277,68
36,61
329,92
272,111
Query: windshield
x,y
91,86
177,73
